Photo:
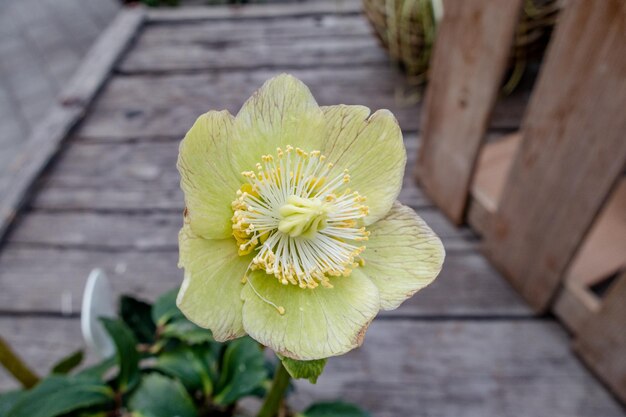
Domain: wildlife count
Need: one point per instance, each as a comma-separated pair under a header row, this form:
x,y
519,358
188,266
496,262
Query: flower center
x,y
300,217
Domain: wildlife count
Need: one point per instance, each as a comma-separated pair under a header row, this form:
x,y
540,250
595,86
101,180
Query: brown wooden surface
x,y
602,339
468,345
468,63
492,170
573,149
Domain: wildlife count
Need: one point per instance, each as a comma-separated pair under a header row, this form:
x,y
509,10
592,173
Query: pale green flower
x,y
292,234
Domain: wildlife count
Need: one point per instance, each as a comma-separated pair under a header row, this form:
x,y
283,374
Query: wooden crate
x,y
549,199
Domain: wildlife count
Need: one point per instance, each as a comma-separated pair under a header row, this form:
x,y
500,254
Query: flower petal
x,y
210,294
317,323
371,149
207,179
282,112
403,255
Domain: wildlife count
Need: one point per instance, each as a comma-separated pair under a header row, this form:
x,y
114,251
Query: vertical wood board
x,y
467,66
572,152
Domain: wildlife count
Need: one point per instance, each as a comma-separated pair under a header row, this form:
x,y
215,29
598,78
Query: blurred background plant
x,y
407,30
164,366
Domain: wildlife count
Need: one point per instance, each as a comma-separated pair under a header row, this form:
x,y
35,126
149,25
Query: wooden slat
x,y
32,158
601,341
48,135
573,150
604,251
468,63
150,106
141,175
189,14
455,369
143,230
574,305
101,58
227,45
45,279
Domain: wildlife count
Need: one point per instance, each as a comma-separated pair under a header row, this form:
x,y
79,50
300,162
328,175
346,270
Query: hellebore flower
x,y
291,233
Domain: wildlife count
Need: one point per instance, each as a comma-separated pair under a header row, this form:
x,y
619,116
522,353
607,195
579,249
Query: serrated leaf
x,y
68,363
137,315
310,370
165,309
58,395
243,371
126,353
184,364
160,396
334,409
186,331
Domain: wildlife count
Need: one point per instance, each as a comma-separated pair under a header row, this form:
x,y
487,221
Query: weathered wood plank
x,y
603,253
572,153
47,279
469,60
101,58
443,368
143,230
282,44
141,175
189,14
601,341
32,158
151,106
282,53
48,135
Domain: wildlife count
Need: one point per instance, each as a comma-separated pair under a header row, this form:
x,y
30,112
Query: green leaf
x,y
9,399
137,315
243,371
68,363
127,355
334,409
160,396
165,308
98,370
187,366
58,395
186,331
310,370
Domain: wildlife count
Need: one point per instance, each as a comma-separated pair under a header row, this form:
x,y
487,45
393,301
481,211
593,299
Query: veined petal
x,y
371,149
210,293
403,255
207,179
282,112
317,323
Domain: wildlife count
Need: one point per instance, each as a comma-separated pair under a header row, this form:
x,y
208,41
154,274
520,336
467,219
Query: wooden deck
x,y
466,346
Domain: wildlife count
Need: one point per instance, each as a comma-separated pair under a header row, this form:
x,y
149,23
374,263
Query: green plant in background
x,y
164,366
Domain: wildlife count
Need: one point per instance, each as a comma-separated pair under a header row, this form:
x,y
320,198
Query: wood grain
x,y
318,7
140,176
471,369
468,63
601,341
46,279
153,106
101,58
572,152
309,42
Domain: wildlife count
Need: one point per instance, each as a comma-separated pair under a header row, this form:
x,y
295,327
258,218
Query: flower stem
x,y
16,366
275,396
